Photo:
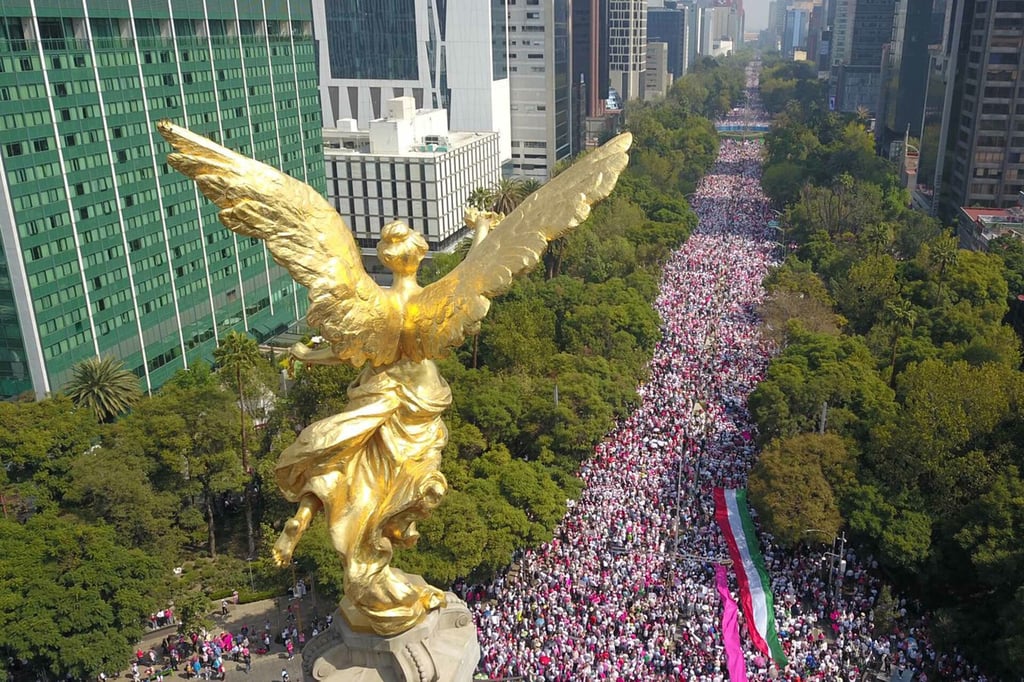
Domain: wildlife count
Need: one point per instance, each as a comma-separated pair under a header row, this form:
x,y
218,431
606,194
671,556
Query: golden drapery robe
x,y
375,469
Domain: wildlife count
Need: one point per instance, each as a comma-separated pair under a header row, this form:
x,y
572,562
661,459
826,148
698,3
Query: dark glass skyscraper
x,y
668,26
905,72
590,52
371,38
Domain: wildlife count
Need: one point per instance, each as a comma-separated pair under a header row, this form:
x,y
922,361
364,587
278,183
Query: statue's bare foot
x,y
285,544
294,528
432,598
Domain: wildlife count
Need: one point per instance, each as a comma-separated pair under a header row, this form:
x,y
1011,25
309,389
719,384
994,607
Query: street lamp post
x,y
837,559
700,418
296,598
840,564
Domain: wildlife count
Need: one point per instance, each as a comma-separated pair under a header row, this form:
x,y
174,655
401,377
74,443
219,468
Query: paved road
x,y
267,667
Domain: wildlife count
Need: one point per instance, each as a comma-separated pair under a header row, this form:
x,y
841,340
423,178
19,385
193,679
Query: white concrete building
x,y
408,166
446,55
657,79
627,46
540,75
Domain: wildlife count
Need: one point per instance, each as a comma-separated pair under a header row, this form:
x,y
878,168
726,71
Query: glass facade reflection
x,y
106,250
563,80
372,39
499,39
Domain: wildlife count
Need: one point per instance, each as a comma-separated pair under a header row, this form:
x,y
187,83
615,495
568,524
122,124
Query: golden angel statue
x,y
373,468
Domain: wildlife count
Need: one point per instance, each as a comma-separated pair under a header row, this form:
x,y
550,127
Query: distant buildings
x,y
449,55
976,227
656,75
106,250
721,27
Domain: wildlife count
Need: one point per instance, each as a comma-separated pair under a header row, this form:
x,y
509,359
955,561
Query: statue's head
x,y
401,249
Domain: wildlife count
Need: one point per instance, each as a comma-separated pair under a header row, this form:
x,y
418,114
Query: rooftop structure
x,y
977,226
407,166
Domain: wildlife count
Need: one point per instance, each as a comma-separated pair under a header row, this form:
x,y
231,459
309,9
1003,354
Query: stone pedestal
x,y
443,648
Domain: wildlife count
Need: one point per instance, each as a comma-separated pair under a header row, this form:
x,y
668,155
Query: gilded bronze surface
x,y
373,468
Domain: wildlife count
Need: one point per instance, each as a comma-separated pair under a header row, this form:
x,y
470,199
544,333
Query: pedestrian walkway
x,y
254,616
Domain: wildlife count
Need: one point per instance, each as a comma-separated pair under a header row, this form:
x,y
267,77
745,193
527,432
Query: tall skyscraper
x,y
842,13
627,46
541,85
691,42
858,84
777,18
796,28
815,24
668,25
106,250
905,72
446,54
983,124
590,52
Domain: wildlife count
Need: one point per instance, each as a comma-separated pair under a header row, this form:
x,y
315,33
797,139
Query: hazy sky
x,y
757,14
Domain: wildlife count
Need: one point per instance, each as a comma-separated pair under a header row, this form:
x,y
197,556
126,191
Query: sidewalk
x,y
265,667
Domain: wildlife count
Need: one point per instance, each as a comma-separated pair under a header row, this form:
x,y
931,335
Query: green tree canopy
x,y
791,491
73,597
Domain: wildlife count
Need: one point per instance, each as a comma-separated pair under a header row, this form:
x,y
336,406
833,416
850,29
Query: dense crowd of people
x,y
625,589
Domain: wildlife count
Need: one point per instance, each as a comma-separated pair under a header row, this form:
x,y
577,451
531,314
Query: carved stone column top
x,y
441,648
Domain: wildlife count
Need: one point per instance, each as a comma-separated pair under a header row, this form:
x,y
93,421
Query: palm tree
x,y
878,237
506,194
480,198
902,316
238,355
944,252
530,185
103,386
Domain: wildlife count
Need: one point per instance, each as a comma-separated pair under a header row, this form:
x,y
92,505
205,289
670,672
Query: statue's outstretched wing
x,y
440,315
304,234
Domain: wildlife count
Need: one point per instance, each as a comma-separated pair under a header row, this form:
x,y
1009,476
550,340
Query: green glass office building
x,y
106,250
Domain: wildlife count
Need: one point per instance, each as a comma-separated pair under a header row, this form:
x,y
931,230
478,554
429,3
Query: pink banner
x,y
730,629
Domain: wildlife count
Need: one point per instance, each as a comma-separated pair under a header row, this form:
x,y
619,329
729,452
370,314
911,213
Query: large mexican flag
x,y
733,518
